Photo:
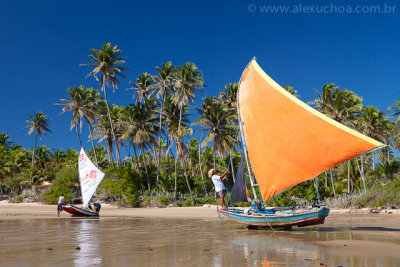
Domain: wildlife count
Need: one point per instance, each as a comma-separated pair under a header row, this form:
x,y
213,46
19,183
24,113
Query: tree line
x,y
165,154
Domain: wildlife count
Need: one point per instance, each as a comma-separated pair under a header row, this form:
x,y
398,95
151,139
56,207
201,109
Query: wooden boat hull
x,y
279,219
76,211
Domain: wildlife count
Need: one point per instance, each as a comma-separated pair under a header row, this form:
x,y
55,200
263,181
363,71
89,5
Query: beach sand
x,y
339,217
37,210
347,233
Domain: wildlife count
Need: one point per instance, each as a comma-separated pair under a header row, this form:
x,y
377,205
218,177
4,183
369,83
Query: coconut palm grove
x,y
157,150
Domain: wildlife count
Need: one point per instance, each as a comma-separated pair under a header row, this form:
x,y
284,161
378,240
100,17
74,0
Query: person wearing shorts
x,y
60,205
219,185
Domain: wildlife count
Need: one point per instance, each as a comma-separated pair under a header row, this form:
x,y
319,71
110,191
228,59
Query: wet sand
x,y
31,234
346,217
36,210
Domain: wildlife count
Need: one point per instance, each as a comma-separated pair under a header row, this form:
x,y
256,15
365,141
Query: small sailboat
x,y
89,179
285,142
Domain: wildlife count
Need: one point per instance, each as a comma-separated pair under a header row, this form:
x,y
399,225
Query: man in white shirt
x,y
219,185
60,205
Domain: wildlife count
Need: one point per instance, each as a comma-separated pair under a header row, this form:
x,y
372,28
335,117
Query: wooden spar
x,y
249,170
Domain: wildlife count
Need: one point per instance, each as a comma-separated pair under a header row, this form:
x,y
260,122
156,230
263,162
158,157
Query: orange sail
x,y
289,142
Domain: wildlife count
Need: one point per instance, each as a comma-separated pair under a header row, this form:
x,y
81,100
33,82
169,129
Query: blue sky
x,y
43,43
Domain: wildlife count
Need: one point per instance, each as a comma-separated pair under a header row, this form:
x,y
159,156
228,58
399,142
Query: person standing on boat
x,y
60,205
219,185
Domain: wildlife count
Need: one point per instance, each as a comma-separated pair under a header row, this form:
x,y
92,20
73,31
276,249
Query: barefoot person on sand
x,y
60,205
219,185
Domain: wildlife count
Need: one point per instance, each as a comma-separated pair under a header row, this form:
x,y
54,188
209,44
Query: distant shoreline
x,y
37,210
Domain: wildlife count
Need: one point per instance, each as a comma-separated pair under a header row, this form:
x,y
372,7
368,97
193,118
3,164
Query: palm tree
x,y
215,118
38,124
5,140
142,87
183,154
107,62
57,157
175,118
291,91
42,156
20,162
341,105
229,97
188,81
395,128
102,130
396,109
91,114
138,124
83,105
371,123
76,106
161,87
70,157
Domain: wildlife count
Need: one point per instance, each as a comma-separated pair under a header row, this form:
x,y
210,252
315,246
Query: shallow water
x,y
167,242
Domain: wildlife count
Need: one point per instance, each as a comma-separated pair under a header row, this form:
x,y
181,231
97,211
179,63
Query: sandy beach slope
x,y
343,217
37,210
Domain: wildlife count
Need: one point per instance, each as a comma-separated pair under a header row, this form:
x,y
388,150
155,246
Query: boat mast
x,y
246,155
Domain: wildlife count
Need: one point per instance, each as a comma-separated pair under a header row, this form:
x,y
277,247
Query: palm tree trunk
x,y
109,156
34,148
166,155
176,153
201,169
326,180
348,177
136,158
187,182
109,144
111,123
93,147
159,141
214,156
180,120
361,170
333,184
77,133
363,176
176,167
138,165
145,168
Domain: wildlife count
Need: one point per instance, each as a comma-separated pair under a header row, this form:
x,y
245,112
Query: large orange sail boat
x,y
286,142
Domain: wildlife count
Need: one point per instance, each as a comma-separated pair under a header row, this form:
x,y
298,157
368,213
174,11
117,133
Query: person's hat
x,y
210,172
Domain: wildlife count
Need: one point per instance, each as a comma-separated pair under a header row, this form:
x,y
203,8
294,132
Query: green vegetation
x,y
172,142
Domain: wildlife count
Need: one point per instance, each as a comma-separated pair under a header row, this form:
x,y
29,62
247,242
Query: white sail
x,y
89,176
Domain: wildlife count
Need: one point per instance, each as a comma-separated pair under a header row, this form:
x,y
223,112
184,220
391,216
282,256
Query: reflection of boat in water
x,y
89,179
88,243
285,142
